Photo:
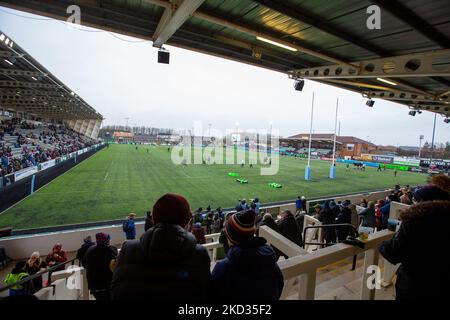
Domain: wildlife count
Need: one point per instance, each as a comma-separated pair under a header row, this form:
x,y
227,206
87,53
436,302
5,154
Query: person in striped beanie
x,y
240,227
250,269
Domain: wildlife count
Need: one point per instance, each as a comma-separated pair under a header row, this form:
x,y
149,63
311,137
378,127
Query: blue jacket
x,y
249,271
298,204
131,230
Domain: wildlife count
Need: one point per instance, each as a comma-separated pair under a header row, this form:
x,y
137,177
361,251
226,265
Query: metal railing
x,y
48,271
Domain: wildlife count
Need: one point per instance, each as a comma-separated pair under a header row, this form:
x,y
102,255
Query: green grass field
x,y
120,179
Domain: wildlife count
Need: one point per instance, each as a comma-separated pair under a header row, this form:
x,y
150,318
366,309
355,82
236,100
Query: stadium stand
x,y
301,265
24,145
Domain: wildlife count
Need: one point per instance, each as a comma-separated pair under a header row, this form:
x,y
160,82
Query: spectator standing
x,y
250,269
326,216
298,205
355,217
18,273
304,202
199,232
87,243
269,221
129,227
57,256
344,216
256,205
363,203
418,277
34,265
217,224
166,263
335,208
368,216
98,262
289,228
148,221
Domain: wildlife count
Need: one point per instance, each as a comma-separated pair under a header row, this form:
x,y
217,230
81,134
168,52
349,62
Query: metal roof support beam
x,y
441,109
367,85
411,65
408,16
19,72
175,21
406,96
167,14
244,29
22,84
320,24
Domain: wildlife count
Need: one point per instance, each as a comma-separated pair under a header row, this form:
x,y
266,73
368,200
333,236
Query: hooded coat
x,y
249,272
290,229
98,260
420,275
166,264
345,216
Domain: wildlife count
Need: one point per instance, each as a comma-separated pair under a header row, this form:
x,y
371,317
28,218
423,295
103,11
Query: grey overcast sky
x,y
119,77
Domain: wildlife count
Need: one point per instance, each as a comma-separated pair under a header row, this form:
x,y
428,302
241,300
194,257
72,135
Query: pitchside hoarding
x,y
383,159
24,173
48,164
437,162
407,161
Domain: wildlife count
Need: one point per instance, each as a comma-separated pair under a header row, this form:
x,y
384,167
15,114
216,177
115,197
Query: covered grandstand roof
x,y
327,41
330,136
27,86
306,138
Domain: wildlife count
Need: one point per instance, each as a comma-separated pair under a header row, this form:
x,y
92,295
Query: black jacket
x,y
326,216
81,253
420,245
148,224
98,260
249,272
290,229
270,223
345,216
166,264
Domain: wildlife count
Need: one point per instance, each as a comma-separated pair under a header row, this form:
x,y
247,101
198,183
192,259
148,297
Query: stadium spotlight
x,y
298,85
412,113
370,103
447,120
163,56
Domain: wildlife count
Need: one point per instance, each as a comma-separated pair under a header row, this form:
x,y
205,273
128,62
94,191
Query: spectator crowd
x,y
168,261
38,144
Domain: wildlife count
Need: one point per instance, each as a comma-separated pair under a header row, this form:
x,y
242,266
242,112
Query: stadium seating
x,y
24,145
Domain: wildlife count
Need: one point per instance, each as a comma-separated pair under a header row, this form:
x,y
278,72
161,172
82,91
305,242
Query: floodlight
x,y
163,56
370,103
298,85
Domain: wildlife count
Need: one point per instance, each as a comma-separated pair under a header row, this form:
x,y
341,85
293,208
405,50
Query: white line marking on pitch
x,y
106,176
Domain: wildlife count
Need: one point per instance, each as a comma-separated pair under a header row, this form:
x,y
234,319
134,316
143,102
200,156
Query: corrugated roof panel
x,y
329,9
431,11
139,5
231,7
405,42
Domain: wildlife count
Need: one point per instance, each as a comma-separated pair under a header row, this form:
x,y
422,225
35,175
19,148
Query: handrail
x,y
38,274
297,265
348,225
286,246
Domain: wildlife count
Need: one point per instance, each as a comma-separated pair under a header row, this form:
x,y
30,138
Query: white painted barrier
x,y
21,247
